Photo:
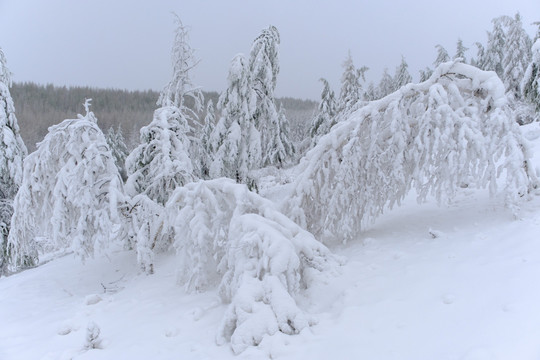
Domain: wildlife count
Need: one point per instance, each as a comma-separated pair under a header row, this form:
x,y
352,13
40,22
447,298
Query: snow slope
x,y
425,282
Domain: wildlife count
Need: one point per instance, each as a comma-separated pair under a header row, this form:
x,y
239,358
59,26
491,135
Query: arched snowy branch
x,y
453,129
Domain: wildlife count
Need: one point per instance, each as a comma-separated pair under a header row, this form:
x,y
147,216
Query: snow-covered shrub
x,y
455,128
161,162
69,193
93,340
228,236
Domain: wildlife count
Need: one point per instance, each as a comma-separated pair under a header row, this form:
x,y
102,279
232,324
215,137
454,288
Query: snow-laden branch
x,y
230,237
452,130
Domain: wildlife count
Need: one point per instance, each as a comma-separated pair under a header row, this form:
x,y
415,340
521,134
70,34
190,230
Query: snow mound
x,y
230,237
453,130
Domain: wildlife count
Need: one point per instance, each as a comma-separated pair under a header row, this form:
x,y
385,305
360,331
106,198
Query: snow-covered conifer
x,y
280,149
442,55
264,68
351,89
460,51
207,146
12,148
239,150
231,238
386,85
161,163
495,49
425,74
117,145
530,85
69,193
480,61
181,85
516,57
455,128
325,117
12,153
402,76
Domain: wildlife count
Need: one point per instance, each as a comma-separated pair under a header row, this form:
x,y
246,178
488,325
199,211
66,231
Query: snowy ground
x,y
458,281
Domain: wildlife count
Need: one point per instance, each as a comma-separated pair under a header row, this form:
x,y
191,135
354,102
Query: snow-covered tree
x,y
517,56
480,61
264,68
161,163
12,148
351,89
281,150
325,117
455,128
181,86
12,153
231,238
402,76
425,74
460,51
386,85
495,49
238,142
530,85
442,55
117,145
69,194
207,147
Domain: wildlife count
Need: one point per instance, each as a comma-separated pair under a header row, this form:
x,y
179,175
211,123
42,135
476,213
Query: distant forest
x,y
40,106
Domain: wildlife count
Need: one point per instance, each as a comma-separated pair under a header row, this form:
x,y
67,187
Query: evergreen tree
x,y
12,153
351,90
264,68
180,86
207,147
516,57
237,139
371,92
460,51
282,150
480,61
402,76
442,55
386,85
69,194
325,117
425,74
531,80
495,49
117,144
161,163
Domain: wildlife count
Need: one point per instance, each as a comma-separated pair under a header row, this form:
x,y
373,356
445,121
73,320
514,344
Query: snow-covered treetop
x,y
264,63
455,128
181,85
442,55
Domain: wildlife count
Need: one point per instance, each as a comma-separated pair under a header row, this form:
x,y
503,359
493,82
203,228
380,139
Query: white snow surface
x,y
457,281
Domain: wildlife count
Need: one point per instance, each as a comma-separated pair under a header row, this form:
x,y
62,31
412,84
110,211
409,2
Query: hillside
x,y
40,106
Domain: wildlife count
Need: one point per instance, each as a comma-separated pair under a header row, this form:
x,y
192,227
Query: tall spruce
x,y
325,117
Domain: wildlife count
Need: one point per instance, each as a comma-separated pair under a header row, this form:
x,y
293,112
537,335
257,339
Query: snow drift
x,y
453,130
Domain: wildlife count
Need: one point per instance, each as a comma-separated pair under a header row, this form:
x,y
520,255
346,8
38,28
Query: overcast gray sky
x,y
126,44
